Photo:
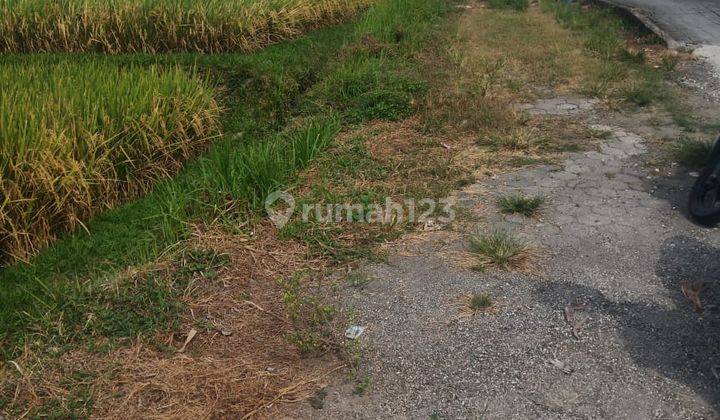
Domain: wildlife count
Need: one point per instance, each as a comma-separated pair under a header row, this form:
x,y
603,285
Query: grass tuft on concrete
x,y
501,250
527,206
480,302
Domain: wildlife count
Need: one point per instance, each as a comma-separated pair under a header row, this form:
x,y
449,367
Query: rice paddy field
x,y
81,132
156,26
79,138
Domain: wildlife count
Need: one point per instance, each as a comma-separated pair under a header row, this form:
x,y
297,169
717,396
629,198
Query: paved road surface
x,y
615,253
695,22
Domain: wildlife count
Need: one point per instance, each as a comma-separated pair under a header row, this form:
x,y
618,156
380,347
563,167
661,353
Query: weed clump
x,y
480,302
527,206
518,5
501,250
691,153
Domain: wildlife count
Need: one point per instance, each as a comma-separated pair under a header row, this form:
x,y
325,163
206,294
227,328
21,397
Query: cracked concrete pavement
x,y
614,248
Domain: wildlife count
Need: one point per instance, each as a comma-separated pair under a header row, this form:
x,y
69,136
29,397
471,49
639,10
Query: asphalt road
x,y
694,22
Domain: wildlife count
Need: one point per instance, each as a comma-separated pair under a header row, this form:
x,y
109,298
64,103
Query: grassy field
x,y
79,138
155,26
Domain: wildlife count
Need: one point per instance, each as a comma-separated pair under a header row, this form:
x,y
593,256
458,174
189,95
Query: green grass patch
x,y
527,206
362,385
691,153
368,88
518,5
480,302
622,72
501,250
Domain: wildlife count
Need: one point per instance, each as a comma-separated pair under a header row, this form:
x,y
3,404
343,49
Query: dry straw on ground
x,y
240,364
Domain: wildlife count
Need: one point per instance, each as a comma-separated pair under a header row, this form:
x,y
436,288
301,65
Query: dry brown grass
x,y
494,61
242,365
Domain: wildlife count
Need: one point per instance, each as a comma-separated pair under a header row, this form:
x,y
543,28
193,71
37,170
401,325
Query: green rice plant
x,y
155,26
79,138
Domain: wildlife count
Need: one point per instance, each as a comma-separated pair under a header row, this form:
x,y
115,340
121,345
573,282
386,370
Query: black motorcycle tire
x,y
698,206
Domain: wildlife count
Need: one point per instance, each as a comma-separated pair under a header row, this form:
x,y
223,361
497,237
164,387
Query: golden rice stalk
x,y
76,138
155,26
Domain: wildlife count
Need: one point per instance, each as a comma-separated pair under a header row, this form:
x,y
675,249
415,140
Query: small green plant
x,y
306,341
527,206
359,280
480,302
317,401
500,249
669,62
352,355
518,5
362,385
637,57
203,262
486,77
691,153
640,94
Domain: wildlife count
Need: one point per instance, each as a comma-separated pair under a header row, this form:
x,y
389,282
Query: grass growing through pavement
x,y
480,302
527,206
157,26
691,153
501,250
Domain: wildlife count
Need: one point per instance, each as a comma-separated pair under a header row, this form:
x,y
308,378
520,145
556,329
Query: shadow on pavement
x,y
673,340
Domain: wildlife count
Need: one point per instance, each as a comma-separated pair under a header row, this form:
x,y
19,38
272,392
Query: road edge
x,y
642,17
